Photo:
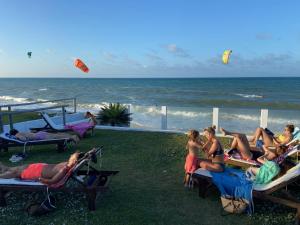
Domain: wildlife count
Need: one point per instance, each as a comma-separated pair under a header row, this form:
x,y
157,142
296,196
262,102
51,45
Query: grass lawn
x,y
148,189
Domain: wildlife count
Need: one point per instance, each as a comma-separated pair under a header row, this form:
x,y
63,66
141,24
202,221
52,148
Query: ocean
x,y
189,101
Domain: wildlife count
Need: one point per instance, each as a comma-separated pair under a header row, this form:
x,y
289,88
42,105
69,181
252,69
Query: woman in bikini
x,y
268,138
41,135
248,152
214,152
45,173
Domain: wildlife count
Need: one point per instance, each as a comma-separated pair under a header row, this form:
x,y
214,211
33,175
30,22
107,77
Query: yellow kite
x,y
225,56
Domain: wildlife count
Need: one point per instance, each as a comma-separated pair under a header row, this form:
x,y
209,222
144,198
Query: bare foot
x,y
223,131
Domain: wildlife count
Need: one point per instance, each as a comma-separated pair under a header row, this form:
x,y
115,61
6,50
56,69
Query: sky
x,y
143,38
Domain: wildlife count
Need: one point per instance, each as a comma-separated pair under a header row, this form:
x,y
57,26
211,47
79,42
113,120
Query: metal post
x,y
215,119
264,118
11,126
1,124
64,115
75,105
164,118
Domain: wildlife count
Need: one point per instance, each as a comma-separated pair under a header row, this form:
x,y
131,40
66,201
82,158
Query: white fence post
x,y
164,117
128,108
215,119
264,118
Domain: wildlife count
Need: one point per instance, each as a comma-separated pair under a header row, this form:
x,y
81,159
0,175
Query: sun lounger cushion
x,y
14,181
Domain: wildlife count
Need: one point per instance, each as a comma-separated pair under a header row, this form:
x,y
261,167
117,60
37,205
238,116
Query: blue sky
x,y
149,38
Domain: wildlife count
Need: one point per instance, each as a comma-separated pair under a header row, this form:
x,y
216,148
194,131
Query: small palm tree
x,y
114,115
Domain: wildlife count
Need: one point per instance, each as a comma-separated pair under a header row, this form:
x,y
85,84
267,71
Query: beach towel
x,y
80,128
267,172
234,183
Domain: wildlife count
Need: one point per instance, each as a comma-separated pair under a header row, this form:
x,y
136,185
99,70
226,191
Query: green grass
x,y
148,189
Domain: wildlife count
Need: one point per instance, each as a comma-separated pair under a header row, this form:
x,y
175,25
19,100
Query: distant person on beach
x,y
191,162
214,152
267,138
41,135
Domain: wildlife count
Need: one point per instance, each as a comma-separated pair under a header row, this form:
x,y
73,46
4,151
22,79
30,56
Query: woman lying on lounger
x,y
214,152
268,138
41,135
241,143
46,173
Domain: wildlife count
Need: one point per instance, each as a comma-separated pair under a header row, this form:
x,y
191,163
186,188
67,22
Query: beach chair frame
x,y
52,127
6,143
99,185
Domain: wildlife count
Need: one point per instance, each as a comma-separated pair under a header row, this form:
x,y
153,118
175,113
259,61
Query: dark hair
x,y
211,130
193,134
13,132
290,127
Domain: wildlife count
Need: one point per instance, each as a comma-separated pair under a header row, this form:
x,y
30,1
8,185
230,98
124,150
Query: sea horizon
x,y
189,100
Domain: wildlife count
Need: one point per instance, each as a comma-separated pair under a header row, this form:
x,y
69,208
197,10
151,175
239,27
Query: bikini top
x,y
219,151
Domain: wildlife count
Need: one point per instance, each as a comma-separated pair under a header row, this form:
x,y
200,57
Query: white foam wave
x,y
249,96
156,111
12,99
43,89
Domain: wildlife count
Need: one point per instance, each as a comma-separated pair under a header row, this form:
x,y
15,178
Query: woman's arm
x,y
212,148
57,177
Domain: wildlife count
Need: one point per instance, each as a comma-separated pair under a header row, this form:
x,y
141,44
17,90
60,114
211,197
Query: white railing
x,y
215,117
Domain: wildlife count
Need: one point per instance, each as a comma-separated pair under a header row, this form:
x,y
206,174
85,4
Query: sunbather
x,y
241,143
214,152
41,135
191,162
269,139
45,173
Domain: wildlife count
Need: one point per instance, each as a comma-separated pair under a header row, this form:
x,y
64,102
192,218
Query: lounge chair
x,y
204,178
88,179
7,140
55,123
230,160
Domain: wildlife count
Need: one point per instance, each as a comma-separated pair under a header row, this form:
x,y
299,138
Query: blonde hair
x,y
73,159
193,135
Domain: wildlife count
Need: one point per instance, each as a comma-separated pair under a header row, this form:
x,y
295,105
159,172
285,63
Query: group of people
x,y
256,148
45,173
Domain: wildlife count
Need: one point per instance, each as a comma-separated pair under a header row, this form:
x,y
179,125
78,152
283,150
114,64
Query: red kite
x,y
79,64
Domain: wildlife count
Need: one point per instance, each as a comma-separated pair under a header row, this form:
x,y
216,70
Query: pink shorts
x,y
191,163
33,171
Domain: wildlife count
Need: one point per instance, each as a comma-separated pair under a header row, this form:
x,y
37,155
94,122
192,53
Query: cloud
x,y
110,56
177,51
49,51
263,36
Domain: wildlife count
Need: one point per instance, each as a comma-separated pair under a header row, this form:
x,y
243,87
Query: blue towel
x,y
259,143
234,183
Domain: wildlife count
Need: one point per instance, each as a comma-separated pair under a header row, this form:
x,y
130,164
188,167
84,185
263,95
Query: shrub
x,y
114,115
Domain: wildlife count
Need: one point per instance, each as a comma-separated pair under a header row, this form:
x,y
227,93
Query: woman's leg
x,y
244,147
242,143
261,133
214,167
234,143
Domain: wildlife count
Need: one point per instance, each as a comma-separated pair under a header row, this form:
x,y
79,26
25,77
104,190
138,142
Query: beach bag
x,y
39,209
232,205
